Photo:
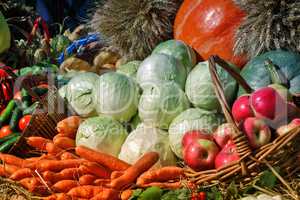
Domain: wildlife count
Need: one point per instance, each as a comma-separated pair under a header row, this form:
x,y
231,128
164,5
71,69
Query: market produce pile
x,y
203,115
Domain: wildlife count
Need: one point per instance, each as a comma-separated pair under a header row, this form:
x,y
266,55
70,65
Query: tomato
x,y
18,96
5,131
202,196
43,85
24,121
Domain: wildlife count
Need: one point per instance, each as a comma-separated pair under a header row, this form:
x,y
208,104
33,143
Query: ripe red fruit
x,y
24,121
241,109
223,134
227,155
192,136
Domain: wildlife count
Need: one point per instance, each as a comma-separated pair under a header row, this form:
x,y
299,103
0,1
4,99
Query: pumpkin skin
x,y
209,27
257,75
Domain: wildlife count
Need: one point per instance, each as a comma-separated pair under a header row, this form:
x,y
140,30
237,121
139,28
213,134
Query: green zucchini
x,y
16,115
26,99
8,137
7,112
9,143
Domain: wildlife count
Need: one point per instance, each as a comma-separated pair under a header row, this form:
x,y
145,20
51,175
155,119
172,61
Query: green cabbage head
x,y
4,34
147,139
79,93
185,54
160,104
102,133
130,69
116,95
200,90
161,68
192,119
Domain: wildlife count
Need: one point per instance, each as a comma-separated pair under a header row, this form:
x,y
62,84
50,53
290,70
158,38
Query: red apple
x,y
192,136
267,103
257,132
224,133
200,154
241,109
282,130
227,155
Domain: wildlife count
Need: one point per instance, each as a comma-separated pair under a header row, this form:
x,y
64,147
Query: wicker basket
x,y
281,152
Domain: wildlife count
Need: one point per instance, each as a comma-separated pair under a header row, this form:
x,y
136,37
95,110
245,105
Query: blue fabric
x,y
78,45
43,11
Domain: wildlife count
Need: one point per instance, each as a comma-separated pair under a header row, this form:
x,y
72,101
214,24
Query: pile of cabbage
x,y
148,105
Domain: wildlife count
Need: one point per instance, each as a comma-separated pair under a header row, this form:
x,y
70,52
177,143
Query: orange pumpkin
x,y
209,26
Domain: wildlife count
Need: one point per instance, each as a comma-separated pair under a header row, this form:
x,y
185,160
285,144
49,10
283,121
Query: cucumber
x,y
31,109
7,112
8,144
26,99
4,139
16,115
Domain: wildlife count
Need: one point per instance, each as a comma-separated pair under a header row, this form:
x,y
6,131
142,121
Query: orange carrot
x,y
164,174
58,165
68,156
132,173
30,184
42,157
108,194
126,194
66,174
52,149
64,143
96,169
69,126
60,196
102,182
21,173
38,142
87,179
86,191
106,160
57,136
12,160
166,185
64,186
116,174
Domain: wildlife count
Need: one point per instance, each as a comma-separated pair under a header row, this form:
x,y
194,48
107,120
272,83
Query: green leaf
x,y
136,194
267,179
233,190
180,194
214,194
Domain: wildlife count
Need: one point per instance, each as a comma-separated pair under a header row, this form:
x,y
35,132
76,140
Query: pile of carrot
x,y
64,171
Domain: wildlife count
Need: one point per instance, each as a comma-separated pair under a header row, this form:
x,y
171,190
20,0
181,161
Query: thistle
x,y
135,27
269,25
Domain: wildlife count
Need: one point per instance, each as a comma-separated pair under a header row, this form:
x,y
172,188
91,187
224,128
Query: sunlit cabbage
x,y
147,139
102,133
200,90
79,93
185,54
130,69
160,104
116,95
192,119
160,68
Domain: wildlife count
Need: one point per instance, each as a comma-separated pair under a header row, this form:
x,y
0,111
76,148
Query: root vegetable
x,y
30,184
132,173
68,156
12,160
21,174
64,185
69,126
96,169
116,174
58,165
101,182
108,194
175,185
52,149
38,143
86,191
87,179
60,196
106,160
64,143
126,194
164,174
66,174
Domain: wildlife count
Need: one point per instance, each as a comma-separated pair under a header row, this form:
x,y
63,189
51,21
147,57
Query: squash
x,y
286,64
209,26
4,34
